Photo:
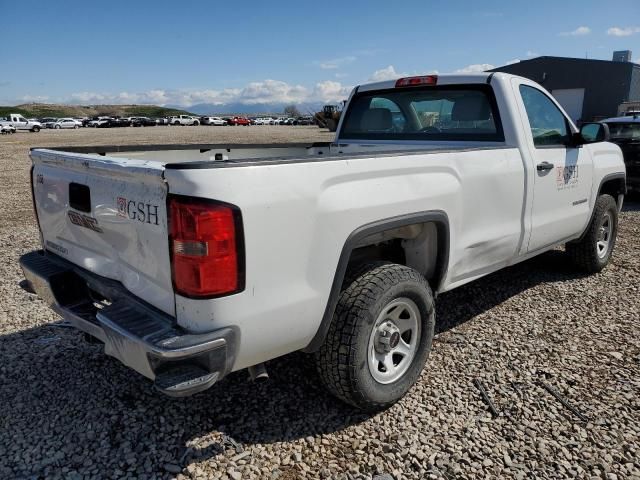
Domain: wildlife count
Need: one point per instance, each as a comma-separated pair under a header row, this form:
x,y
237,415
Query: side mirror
x,y
594,132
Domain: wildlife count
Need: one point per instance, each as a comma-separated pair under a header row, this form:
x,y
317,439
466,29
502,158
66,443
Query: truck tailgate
x,y
109,216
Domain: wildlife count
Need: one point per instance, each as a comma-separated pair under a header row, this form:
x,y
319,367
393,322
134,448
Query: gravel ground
x,y
68,411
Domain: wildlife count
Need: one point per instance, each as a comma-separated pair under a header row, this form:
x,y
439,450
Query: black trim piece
x,y
240,244
249,162
104,149
605,179
498,136
490,77
353,241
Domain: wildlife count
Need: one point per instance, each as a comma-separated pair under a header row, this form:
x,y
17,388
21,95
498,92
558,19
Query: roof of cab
x,y
447,79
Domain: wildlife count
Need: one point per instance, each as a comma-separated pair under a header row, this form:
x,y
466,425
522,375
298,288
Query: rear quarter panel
x,y
297,217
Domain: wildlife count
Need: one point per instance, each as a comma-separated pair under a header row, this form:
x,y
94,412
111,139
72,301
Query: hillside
x,y
39,110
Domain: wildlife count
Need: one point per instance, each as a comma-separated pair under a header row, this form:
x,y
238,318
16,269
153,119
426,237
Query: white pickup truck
x,y
193,261
184,120
21,123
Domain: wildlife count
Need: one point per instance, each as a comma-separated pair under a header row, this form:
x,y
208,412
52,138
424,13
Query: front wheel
x,y
593,252
35,129
380,336
57,127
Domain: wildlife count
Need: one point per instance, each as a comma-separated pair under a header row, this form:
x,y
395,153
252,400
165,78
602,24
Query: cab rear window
x,y
462,113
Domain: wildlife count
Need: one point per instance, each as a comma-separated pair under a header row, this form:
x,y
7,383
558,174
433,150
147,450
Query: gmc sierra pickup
x,y
193,261
20,123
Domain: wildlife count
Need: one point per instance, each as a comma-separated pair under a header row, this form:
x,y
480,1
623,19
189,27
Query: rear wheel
x,y
57,127
593,252
379,338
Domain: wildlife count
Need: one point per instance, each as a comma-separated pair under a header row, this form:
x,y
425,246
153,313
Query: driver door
x,y
562,173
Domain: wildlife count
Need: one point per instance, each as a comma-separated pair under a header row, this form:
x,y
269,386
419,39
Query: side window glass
x,y
548,125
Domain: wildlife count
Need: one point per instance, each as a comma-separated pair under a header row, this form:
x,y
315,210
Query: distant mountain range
x,y
248,109
40,110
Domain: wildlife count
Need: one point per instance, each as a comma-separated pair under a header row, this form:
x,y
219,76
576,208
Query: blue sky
x,y
189,52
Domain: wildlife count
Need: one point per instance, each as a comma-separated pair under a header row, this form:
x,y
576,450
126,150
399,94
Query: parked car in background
x,y
101,122
21,123
625,132
184,120
162,121
121,122
66,123
48,122
142,122
7,129
304,121
217,121
243,121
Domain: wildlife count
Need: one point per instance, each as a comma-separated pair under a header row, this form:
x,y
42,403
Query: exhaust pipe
x,y
258,373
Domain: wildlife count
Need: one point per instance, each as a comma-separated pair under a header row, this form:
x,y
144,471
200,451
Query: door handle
x,y
544,166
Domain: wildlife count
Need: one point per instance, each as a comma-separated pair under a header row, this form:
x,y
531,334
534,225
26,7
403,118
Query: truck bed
x,y
184,156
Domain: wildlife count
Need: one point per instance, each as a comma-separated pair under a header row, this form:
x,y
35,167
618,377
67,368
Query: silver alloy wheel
x,y
603,241
394,340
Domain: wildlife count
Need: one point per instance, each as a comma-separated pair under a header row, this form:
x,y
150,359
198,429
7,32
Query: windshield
x,y
428,113
624,131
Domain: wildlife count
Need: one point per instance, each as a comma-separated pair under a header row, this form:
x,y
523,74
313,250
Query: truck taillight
x,y
415,81
206,247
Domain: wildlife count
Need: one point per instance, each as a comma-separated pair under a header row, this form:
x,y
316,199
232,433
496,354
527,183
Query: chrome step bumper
x,y
140,336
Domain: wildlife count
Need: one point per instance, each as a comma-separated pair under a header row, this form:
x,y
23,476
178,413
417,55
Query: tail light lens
x,y
206,247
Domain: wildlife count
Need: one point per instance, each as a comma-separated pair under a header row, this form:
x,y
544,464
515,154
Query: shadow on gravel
x,y
462,304
64,396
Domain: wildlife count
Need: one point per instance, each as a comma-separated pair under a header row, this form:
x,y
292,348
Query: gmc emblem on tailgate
x,y
140,211
84,221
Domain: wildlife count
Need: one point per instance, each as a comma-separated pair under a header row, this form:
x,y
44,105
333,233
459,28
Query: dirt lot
x,y
68,411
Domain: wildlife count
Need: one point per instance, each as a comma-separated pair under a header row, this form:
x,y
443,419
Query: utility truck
x,y
192,261
20,123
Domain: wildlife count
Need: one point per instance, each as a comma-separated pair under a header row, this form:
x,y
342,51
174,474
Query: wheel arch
x,y
614,184
357,239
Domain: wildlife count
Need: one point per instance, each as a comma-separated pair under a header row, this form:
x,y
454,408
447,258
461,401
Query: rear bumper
x,y
140,336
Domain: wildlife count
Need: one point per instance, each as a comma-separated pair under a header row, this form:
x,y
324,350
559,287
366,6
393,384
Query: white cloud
x,y
531,53
336,62
255,93
475,68
511,62
34,99
577,32
622,31
329,90
388,73
272,91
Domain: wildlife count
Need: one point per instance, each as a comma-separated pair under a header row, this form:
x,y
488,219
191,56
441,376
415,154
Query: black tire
x,y
342,361
585,254
35,129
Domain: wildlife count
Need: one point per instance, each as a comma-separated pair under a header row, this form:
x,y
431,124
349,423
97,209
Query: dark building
x,y
587,89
